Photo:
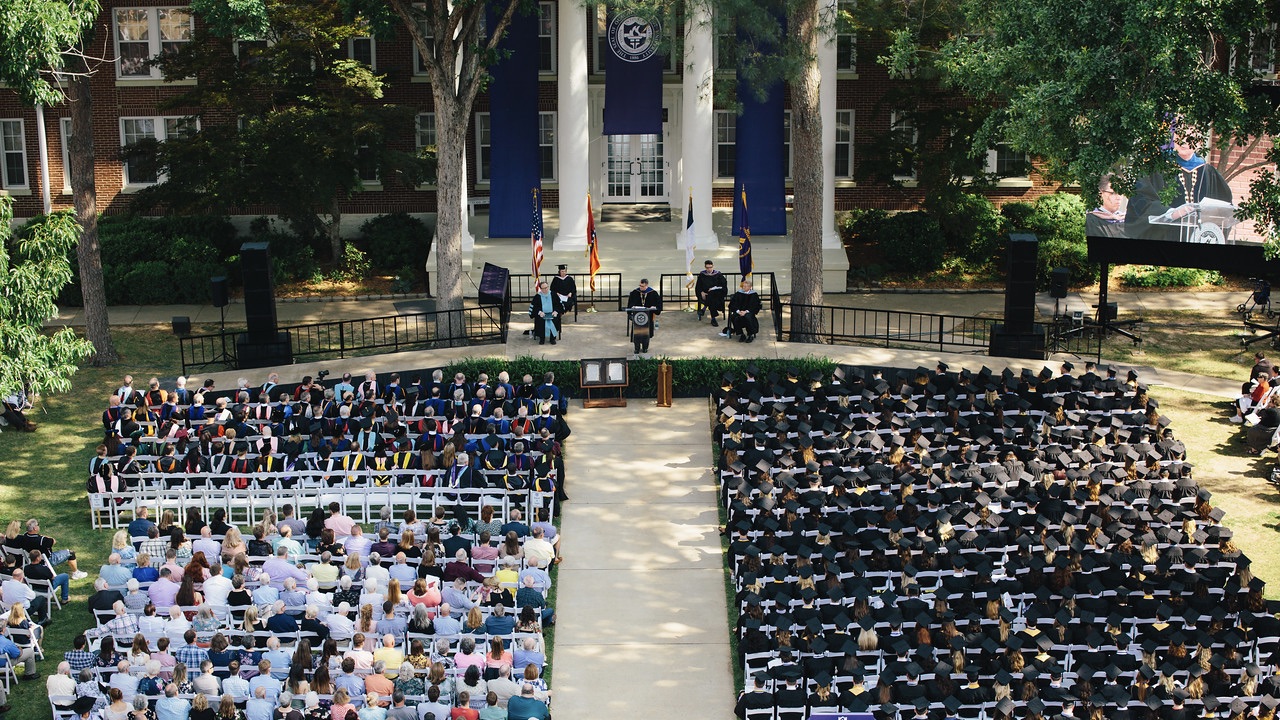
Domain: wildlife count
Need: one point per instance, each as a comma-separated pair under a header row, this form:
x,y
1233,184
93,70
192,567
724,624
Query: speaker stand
x,y
223,357
1108,324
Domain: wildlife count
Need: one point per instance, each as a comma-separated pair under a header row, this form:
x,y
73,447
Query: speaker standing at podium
x,y
545,308
644,297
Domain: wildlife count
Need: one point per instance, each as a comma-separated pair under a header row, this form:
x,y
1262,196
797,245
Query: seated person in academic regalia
x,y
744,306
711,289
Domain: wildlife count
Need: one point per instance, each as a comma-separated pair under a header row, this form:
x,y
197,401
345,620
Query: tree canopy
x,y
286,113
35,36
33,270
1092,86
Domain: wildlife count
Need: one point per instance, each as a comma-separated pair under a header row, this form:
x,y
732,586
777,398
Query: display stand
x,y
604,381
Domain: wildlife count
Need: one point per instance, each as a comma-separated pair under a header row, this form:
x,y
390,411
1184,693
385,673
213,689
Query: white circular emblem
x,y
632,38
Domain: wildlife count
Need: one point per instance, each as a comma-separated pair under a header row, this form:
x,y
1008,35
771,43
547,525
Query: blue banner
x,y
760,164
633,77
513,129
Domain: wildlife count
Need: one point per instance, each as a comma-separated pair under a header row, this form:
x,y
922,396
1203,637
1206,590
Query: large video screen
x,y
1193,200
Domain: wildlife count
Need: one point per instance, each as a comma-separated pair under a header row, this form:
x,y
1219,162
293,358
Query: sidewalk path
x,y
641,596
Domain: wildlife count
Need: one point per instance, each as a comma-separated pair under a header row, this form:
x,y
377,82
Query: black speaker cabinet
x,y
259,292
1058,283
218,291
493,284
1020,283
1006,342
254,352
181,325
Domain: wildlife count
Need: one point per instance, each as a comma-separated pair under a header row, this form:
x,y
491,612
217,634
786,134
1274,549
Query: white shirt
x,y
216,590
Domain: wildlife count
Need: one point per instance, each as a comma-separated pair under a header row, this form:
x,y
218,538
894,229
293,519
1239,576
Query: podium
x,y
640,327
1210,221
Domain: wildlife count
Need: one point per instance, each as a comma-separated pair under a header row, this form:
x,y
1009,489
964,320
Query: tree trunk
x,y
806,146
450,159
84,192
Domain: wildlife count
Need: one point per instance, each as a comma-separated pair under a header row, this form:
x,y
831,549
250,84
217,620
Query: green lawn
x,y
43,475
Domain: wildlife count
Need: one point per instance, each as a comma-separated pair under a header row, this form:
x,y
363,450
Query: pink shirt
x,y
340,525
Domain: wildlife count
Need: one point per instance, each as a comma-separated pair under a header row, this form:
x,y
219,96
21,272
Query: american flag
x,y
536,234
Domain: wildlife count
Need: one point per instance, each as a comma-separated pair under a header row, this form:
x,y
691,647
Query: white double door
x,y
636,169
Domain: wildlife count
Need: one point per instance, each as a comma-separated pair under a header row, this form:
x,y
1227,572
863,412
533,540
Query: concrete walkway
x,y
641,589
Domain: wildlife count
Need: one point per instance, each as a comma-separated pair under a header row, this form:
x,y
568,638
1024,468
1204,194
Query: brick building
x,y
695,149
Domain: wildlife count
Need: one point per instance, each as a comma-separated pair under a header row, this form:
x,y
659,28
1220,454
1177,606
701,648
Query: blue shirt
x,y
172,708
265,681
257,709
523,708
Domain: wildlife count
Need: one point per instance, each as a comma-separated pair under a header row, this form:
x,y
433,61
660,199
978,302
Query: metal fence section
x,y
893,328
608,292
677,292
390,333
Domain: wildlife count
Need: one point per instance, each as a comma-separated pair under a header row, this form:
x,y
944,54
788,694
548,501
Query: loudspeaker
x,y
1020,283
181,325
1007,343
1109,312
259,291
254,353
493,284
218,291
1058,283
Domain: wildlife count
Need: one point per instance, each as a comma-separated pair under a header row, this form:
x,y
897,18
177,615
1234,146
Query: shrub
x,y
395,241
1017,215
293,257
912,243
864,225
972,227
154,260
1058,220
1148,276
355,264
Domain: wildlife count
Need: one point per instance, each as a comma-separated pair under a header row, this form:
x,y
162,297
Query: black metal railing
x,y
893,328
775,301
677,292
342,338
609,294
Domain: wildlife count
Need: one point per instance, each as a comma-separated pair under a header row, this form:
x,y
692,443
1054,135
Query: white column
x,y
827,107
468,240
572,114
43,144
697,128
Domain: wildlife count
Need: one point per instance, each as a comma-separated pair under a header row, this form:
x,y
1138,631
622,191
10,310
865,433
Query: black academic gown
x,y
568,287
748,323
715,287
1196,185
539,323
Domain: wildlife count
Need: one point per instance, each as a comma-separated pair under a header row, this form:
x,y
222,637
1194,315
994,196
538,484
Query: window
x,y
547,145
134,130
64,125
367,165
726,139
547,37
426,131
725,52
484,149
249,52
484,145
846,42
1005,162
844,143
1262,51
361,50
13,173
902,139
420,62
142,34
